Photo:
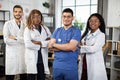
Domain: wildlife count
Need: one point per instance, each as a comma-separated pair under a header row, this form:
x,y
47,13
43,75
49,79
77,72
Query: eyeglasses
x,y
66,16
94,21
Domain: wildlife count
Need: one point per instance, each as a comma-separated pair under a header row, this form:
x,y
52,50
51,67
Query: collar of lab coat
x,y
95,33
16,23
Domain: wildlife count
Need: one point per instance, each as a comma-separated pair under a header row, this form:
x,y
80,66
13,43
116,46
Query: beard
x,y
17,16
67,24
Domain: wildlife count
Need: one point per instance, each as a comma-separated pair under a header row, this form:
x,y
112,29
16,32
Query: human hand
x,y
79,45
12,37
36,42
50,45
47,38
53,49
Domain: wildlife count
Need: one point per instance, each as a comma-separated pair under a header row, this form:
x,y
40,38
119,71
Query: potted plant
x,y
78,24
46,4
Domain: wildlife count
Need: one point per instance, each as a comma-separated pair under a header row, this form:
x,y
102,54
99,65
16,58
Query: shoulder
x,y
9,21
27,29
45,27
101,34
58,29
7,24
76,29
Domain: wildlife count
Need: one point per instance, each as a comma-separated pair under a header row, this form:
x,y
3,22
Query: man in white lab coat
x,y
13,37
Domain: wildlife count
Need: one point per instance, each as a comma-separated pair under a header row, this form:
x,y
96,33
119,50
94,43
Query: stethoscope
x,y
89,36
60,37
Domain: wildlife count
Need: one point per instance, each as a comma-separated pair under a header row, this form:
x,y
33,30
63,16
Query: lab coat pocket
x,y
30,56
11,60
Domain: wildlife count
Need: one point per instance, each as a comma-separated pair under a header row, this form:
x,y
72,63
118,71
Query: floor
x,y
2,78
16,78
48,77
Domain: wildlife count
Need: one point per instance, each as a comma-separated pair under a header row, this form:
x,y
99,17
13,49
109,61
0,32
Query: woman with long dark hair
x,y
92,62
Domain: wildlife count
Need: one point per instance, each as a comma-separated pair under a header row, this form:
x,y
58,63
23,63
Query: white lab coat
x,y
94,56
45,33
31,54
15,49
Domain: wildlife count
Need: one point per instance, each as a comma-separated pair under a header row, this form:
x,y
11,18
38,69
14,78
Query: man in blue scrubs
x,y
64,44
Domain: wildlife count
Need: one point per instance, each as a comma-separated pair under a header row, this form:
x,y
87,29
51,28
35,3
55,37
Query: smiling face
x,y
67,19
17,13
94,23
36,19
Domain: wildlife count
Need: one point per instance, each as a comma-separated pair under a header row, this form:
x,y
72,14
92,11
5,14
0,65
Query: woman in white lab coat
x,y
15,49
36,38
92,65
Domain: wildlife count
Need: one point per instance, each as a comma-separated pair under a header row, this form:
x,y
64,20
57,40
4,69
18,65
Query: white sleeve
x,y
28,42
100,41
45,43
6,34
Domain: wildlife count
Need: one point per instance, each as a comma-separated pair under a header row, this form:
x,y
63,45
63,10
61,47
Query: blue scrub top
x,y
66,59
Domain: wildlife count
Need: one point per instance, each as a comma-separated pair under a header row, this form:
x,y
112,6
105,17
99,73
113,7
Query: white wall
x,y
113,17
38,5
8,5
27,5
113,14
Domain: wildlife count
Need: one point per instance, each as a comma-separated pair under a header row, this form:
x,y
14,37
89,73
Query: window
x,y
82,8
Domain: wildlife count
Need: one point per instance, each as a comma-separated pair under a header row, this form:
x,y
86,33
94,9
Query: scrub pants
x,y
61,74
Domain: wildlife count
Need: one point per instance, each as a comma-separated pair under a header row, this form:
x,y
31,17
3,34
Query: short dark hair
x,y
68,10
18,6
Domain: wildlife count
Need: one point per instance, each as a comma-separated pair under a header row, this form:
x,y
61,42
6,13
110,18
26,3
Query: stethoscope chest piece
x,y
59,40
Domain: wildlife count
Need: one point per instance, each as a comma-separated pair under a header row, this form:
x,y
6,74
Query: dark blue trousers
x,y
40,67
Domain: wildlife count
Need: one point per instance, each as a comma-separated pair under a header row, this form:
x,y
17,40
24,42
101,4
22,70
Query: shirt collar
x,y
95,33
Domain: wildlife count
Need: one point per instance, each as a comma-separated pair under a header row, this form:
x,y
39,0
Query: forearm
x,y
54,49
31,45
64,47
51,42
36,42
9,40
